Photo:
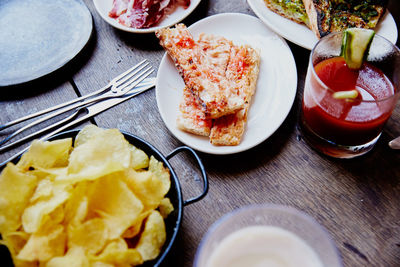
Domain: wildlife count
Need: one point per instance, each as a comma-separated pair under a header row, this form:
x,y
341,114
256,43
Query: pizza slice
x,y
218,95
328,16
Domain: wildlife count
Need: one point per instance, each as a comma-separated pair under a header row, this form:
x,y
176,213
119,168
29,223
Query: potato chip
x,y
106,153
46,154
139,159
90,235
165,207
16,189
53,218
52,173
117,253
76,208
40,173
80,208
34,214
134,229
147,187
153,237
162,173
78,215
101,264
15,241
19,263
75,257
87,133
111,198
43,190
44,246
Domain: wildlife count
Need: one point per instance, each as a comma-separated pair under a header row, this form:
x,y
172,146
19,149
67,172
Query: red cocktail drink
x,y
350,121
347,127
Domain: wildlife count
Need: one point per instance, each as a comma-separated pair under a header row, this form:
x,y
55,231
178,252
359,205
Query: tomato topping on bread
x,y
220,78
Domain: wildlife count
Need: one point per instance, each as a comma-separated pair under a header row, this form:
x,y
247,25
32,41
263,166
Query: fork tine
x,y
77,105
143,83
48,110
125,80
113,81
119,86
143,87
122,75
140,77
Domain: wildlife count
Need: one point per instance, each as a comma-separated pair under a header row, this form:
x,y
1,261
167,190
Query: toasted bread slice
x,y
192,115
214,91
240,66
328,16
243,69
293,10
318,16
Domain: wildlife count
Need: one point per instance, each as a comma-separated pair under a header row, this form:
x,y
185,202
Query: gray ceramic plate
x,y
39,36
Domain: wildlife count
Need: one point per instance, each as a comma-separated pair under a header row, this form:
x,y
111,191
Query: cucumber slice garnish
x,y
355,46
351,94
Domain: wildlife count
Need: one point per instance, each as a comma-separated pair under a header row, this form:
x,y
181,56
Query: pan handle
x,y
202,170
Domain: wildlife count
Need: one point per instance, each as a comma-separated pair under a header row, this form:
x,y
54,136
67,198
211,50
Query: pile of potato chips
x,y
99,203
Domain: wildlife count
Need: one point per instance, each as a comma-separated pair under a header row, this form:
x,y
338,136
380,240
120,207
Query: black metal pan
x,y
173,221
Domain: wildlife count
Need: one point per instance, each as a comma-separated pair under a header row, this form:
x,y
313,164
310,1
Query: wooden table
x,y
356,200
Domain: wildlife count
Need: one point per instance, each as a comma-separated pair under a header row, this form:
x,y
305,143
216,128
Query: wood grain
x,y
357,201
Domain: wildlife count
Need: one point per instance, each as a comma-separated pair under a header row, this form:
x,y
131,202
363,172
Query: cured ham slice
x,y
143,13
119,7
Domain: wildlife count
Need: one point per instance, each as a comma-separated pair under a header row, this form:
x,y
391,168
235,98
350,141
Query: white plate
x,y
303,36
104,6
276,87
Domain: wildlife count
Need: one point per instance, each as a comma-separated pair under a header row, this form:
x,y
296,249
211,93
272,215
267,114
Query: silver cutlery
x,y
93,109
118,86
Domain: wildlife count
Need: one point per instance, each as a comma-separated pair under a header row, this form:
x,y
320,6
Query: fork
x,y
118,87
146,83
93,109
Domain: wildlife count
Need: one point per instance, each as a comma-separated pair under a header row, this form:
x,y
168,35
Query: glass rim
x,y
324,86
271,207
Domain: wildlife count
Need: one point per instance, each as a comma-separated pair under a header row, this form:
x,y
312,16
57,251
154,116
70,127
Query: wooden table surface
x,y
357,201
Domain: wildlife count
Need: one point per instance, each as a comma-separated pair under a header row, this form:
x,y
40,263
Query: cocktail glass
x,y
349,127
270,215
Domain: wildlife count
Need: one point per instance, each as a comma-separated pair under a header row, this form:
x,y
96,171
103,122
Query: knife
x,y
94,109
